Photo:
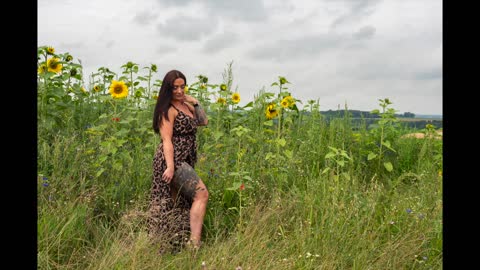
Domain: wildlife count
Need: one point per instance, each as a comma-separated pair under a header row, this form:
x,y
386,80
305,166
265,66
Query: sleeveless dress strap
x,y
175,107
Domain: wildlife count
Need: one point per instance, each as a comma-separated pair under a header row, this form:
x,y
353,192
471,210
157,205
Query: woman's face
x,y
178,89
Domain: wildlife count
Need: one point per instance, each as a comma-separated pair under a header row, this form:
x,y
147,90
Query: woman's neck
x,y
176,103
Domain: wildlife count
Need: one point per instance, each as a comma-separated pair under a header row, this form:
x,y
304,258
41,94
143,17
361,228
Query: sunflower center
x,y
118,90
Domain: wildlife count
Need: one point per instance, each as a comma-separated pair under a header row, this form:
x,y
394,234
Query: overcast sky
x,y
341,52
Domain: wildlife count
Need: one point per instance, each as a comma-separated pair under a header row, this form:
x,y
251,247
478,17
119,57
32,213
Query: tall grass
x,y
293,192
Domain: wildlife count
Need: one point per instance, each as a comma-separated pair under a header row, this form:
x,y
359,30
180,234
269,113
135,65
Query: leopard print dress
x,y
169,218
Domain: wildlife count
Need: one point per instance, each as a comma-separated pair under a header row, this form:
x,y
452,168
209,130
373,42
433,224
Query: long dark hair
x,y
164,98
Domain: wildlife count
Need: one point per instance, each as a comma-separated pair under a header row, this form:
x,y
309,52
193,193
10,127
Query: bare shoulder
x,y
172,113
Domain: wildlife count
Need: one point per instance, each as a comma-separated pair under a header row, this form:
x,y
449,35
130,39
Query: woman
x,y
173,215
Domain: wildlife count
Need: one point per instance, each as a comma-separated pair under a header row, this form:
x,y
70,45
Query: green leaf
x,y
371,156
289,154
325,170
269,156
100,172
387,144
250,104
268,123
388,166
330,155
282,142
246,177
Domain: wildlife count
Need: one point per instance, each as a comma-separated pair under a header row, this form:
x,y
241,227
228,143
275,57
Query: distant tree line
x,y
360,114
366,118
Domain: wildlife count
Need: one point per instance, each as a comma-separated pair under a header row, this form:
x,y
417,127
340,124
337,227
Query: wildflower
x,y
271,111
236,97
223,87
409,210
50,50
97,88
69,58
221,101
115,119
45,184
242,187
42,69
45,178
118,89
54,65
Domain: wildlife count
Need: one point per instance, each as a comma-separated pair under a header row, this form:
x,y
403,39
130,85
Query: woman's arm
x,y
195,107
166,131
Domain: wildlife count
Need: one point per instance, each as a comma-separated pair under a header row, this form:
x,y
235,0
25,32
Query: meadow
x,y
288,189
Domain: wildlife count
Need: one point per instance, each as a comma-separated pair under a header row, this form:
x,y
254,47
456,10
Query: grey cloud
x,y
73,45
110,44
299,48
430,74
165,49
244,10
187,28
144,18
357,10
365,32
170,3
220,42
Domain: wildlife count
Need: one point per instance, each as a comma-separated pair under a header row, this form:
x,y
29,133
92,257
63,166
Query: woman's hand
x,y
190,99
168,174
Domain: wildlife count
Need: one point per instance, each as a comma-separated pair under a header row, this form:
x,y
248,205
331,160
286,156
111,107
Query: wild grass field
x,y
288,190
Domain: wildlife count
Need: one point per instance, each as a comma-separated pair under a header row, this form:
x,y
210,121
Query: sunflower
x,y
221,101
236,97
118,89
97,88
223,87
54,65
69,58
284,103
50,50
290,100
271,111
185,90
42,69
